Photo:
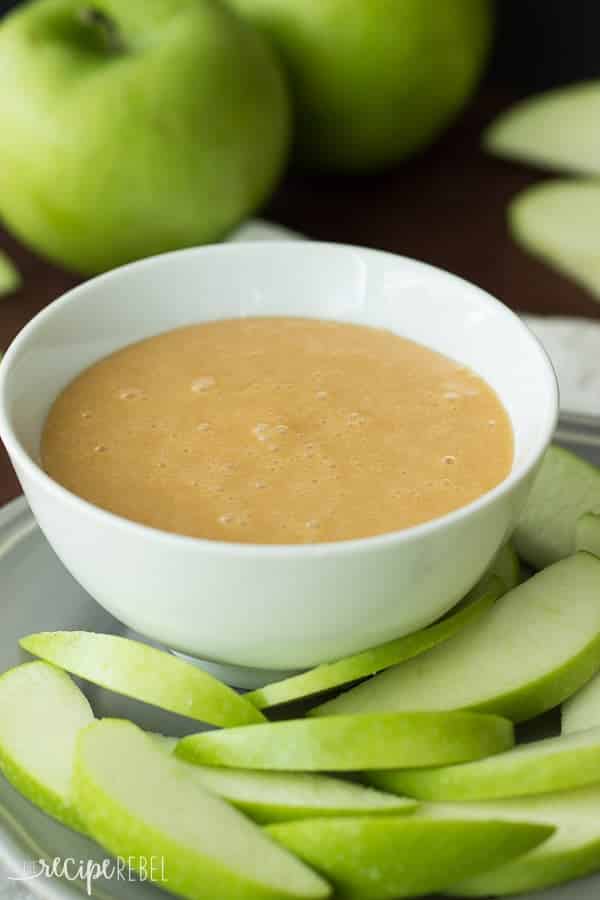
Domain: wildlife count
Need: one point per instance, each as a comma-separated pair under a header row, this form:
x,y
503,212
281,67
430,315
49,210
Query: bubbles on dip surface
x,y
278,431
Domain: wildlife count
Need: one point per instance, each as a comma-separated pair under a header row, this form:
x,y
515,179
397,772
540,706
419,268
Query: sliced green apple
x,y
538,645
565,488
10,279
145,673
41,713
351,743
587,533
582,711
138,801
384,859
573,851
541,767
558,221
556,130
281,796
360,665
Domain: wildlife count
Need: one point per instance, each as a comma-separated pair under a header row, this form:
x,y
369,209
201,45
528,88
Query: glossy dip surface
x,y
278,431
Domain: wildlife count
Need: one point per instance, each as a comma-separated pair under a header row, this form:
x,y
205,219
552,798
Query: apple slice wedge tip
x,y
540,767
360,665
138,801
144,673
351,743
385,859
537,646
41,713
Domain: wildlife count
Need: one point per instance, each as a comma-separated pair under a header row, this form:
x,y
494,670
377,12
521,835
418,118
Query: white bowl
x,y
275,607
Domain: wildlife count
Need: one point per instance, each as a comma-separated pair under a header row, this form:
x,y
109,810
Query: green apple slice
x,y
587,533
41,713
582,711
138,801
384,859
556,130
144,673
352,743
541,767
360,665
538,645
558,221
281,796
565,488
10,279
573,851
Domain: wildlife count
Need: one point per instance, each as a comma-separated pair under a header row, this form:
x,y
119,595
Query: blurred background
x,y
447,204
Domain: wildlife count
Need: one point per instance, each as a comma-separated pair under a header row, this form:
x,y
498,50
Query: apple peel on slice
x,y
384,859
41,713
351,743
144,673
541,767
559,222
138,801
537,646
555,130
566,487
360,665
573,851
283,796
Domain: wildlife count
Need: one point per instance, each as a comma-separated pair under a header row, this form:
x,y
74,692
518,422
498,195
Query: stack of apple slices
x,y
440,799
557,220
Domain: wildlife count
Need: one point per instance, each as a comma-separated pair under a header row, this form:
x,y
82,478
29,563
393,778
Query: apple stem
x,y
104,26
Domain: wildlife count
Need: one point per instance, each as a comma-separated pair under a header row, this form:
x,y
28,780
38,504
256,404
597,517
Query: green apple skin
x,y
573,851
538,645
351,743
384,859
541,767
163,135
284,796
41,714
556,130
138,801
565,488
360,665
587,532
373,81
144,673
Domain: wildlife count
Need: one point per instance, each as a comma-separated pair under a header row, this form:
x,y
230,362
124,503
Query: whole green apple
x,y
374,80
129,129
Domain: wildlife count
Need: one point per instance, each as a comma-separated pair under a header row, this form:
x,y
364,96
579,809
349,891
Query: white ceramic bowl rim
x,y
407,535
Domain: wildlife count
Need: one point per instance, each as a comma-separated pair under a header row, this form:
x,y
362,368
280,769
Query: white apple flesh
x,y
566,487
360,665
573,851
537,646
138,801
555,130
41,713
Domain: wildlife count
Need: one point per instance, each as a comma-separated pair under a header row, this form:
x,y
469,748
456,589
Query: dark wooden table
x,y
447,207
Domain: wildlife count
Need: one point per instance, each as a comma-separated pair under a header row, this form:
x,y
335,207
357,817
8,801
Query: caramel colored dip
x,y
278,431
